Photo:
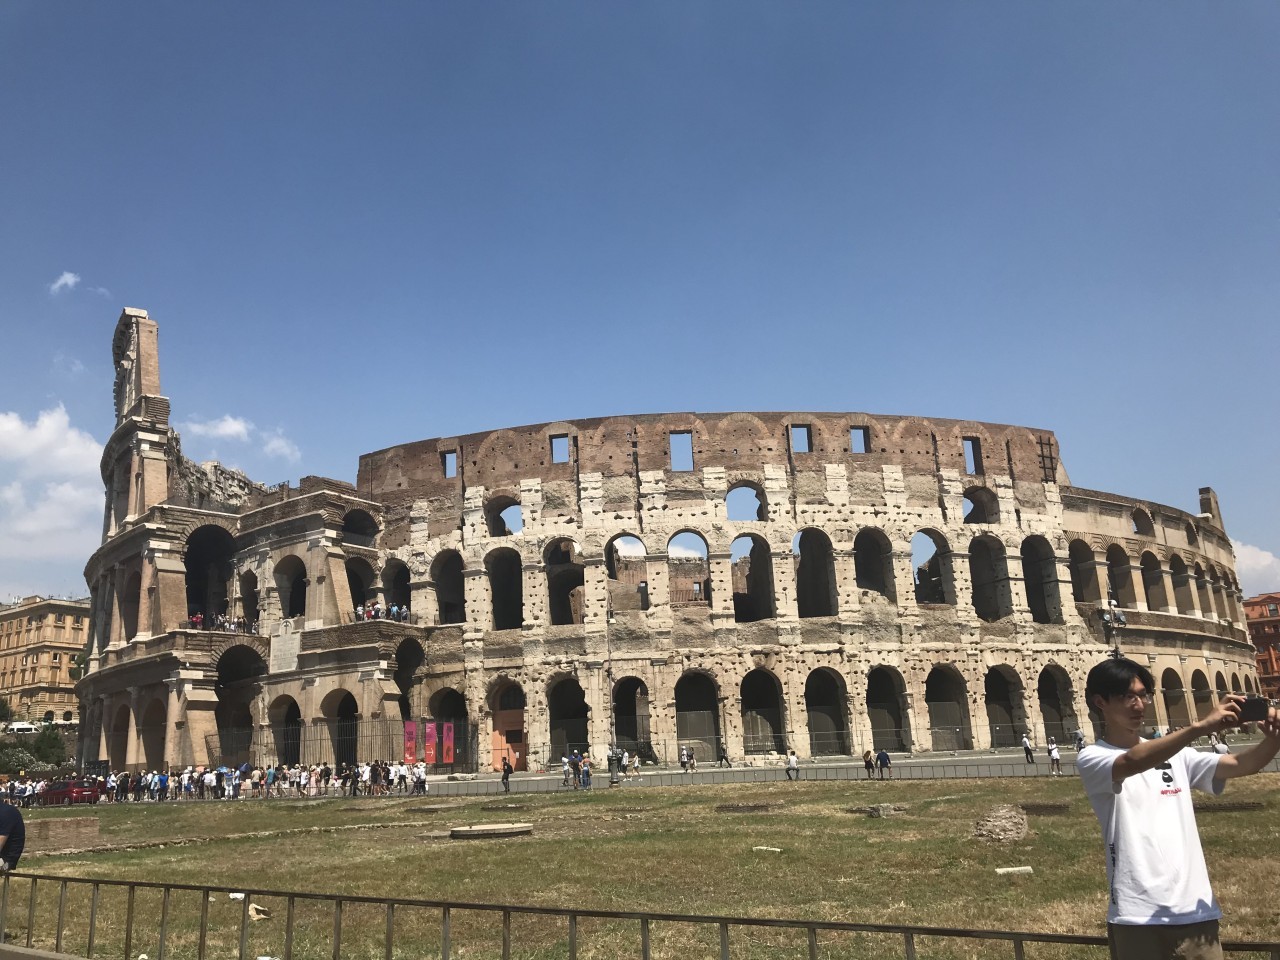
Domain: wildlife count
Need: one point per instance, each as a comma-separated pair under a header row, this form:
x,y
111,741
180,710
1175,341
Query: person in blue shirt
x,y
13,837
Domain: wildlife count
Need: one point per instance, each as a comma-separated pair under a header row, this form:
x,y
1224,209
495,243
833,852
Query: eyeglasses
x,y
1131,699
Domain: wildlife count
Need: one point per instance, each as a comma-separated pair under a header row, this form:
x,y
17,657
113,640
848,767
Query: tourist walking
x,y
869,764
885,764
1026,749
793,766
506,775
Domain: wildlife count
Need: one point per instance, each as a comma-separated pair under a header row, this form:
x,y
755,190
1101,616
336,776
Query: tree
x,y
6,711
49,746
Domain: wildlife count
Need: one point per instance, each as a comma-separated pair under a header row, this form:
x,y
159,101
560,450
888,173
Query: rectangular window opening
x,y
972,455
449,462
860,440
681,451
560,449
801,438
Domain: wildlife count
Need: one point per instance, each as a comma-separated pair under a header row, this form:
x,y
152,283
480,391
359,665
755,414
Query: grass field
x,y
671,850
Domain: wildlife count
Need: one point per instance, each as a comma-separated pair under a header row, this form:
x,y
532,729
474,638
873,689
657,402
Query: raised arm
x,y
1232,765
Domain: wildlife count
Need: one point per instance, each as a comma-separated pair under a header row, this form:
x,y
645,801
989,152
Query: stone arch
x,y
1057,704
1249,688
763,715
151,734
1220,685
451,596
1176,707
359,528
240,668
506,588
887,709
627,572
209,561
410,657
1183,597
340,711
1006,712
1202,592
1235,683
826,703
1120,577
360,581
1201,695
746,502
931,564
566,579
395,584
697,697
118,737
249,599
1153,581
130,601
631,720
568,717
873,563
1082,563
752,566
447,704
981,505
989,571
506,708
1193,538
947,697
291,586
504,517
285,718
1040,578
688,568
815,565
1141,524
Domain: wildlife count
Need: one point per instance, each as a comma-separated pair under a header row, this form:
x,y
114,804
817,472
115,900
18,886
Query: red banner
x,y
447,751
429,741
410,741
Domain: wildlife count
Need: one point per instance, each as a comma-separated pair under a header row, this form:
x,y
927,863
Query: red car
x,y
66,792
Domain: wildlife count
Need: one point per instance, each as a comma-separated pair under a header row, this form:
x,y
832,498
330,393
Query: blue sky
x,y
359,225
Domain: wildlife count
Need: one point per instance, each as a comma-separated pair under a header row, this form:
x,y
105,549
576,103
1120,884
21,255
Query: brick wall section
x,y
61,833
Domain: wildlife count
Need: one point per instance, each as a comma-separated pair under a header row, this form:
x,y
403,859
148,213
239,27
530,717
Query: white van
x,y
21,726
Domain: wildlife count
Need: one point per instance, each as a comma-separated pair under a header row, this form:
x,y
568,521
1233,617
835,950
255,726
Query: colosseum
x,y
745,582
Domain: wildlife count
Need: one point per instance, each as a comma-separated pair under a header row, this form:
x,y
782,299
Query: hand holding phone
x,y
1254,709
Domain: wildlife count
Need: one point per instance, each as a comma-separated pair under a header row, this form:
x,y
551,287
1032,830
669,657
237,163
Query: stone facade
x,y
40,639
753,582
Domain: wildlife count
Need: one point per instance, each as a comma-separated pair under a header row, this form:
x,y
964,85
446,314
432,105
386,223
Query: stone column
x,y
784,586
172,708
131,736
720,569
595,589
534,585
847,583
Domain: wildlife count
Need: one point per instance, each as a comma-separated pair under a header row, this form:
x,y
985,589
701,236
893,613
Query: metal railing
x,y
187,920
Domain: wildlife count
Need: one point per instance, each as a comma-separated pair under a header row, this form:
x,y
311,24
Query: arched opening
x,y
447,704
1215,588
1119,577
291,585
1057,704
825,702
698,715
151,734
752,563
1183,598
451,597
887,709
1040,579
873,562
360,582
1084,573
631,717
1153,582
947,698
989,571
627,570
745,503
931,563
1220,685
395,586
568,711
566,576
118,738
503,516
359,528
1202,592
688,569
342,714
249,599
507,707
285,717
1176,707
1235,683
240,669
1006,718
447,710
1248,685
1141,523
1201,695
409,658
130,600
762,720
815,574
506,588
981,506
208,560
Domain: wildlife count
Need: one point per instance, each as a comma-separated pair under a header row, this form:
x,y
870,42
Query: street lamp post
x,y
1113,621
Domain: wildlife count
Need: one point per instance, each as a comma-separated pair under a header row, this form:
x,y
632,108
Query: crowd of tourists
x,y
375,611
255,782
220,621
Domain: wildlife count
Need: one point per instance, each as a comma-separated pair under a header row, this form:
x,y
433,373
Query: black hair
x,y
1111,678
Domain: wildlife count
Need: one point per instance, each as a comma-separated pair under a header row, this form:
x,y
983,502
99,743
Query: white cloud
x,y
66,281
1258,569
51,503
278,445
70,366
101,291
225,427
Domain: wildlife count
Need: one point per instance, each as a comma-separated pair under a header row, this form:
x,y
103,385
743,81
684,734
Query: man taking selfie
x,y
1161,903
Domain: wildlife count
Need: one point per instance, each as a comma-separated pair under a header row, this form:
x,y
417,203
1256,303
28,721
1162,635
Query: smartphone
x,y
1254,709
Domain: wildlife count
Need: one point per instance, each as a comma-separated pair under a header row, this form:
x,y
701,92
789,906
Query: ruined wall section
x,y
206,486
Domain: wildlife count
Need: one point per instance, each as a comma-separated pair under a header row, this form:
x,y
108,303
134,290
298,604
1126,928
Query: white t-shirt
x,y
1155,866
